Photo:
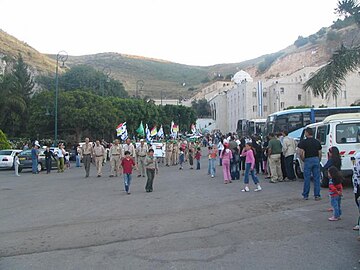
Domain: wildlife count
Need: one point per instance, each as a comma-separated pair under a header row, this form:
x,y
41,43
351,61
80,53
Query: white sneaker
x,y
245,189
212,176
258,188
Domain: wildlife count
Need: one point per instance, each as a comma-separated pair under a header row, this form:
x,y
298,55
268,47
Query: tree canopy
x,y
329,79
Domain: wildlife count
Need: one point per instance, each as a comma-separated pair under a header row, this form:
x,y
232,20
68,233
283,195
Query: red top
x,y
127,165
335,190
198,155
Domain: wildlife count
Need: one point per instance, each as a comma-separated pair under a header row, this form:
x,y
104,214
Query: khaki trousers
x,y
275,167
115,165
98,163
168,157
141,164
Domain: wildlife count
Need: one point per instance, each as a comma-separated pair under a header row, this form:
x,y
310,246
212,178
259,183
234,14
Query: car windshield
x,y
25,153
5,152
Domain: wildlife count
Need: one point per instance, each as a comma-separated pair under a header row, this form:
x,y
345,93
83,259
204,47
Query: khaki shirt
x,y
116,151
129,148
99,150
151,163
87,149
141,151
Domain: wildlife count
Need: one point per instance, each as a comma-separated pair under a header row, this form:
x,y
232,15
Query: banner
x,y
121,129
160,133
153,131
140,131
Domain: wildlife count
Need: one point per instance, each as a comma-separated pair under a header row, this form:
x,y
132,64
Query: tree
x,y
329,79
4,143
201,107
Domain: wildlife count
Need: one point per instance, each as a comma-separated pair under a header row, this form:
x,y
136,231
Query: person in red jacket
x,y
127,164
335,192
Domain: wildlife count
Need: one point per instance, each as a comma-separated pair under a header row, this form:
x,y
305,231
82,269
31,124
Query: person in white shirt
x,y
220,147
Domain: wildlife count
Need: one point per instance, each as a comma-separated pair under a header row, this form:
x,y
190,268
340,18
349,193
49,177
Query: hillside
x,y
174,80
10,47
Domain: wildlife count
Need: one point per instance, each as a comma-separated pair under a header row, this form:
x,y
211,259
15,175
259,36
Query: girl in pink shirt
x,y
248,153
226,156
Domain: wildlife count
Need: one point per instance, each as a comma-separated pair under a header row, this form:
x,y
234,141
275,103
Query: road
x,y
190,221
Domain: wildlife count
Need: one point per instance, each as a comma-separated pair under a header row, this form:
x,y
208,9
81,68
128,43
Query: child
x,y
356,185
213,152
127,163
16,164
198,157
248,153
335,192
67,160
181,157
226,156
151,167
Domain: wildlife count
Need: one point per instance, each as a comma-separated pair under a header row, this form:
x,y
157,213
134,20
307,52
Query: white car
x,y
7,158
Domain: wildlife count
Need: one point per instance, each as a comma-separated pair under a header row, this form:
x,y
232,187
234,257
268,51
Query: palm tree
x,y
329,79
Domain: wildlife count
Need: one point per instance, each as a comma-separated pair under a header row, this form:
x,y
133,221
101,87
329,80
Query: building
x,y
246,99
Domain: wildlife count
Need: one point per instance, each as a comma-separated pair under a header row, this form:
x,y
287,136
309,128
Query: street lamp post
x,y
106,71
61,56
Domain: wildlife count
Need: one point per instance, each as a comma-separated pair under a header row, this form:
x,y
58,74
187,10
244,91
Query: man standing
x,y
274,154
288,149
86,155
168,154
34,157
310,153
115,158
141,152
99,152
129,147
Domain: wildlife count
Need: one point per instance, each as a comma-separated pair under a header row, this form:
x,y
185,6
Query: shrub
x,y
301,41
4,143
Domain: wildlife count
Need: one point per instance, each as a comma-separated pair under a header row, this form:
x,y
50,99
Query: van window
x,y
348,133
321,134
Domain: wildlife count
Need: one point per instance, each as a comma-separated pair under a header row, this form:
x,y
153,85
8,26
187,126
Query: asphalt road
x,y
190,221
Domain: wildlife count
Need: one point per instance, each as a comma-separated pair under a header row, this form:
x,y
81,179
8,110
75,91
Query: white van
x,y
340,130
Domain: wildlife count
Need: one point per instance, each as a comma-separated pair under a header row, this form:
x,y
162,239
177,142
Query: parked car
x,y
7,158
26,162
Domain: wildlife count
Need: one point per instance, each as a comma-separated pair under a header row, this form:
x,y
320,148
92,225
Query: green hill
x,y
174,80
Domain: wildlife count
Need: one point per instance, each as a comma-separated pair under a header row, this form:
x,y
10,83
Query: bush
x,y
269,59
4,143
301,41
332,36
321,32
313,38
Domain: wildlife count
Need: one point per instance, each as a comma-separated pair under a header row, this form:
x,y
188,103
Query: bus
x,y
294,120
250,127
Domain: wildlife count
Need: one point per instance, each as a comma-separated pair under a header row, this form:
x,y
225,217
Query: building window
x,y
254,108
265,108
264,94
282,90
299,97
282,105
254,94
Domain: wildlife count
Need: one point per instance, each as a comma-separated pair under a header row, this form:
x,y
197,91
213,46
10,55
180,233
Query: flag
x,y
121,129
174,129
140,130
124,136
193,129
160,133
147,131
153,131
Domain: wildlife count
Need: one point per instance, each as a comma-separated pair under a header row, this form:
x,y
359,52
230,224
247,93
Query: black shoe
x,y
317,198
139,175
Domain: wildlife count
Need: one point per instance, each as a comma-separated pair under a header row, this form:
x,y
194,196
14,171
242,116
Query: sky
x,y
192,32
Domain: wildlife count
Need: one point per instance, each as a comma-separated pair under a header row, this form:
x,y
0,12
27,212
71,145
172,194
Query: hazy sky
x,y
194,32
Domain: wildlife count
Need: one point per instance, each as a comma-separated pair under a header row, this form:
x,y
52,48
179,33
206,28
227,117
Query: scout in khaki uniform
x,y
99,153
175,153
86,155
141,152
129,147
115,154
168,153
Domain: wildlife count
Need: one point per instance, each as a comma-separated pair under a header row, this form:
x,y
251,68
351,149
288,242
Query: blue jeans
x,y
289,165
311,168
127,181
252,172
78,160
211,167
336,205
198,164
34,166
